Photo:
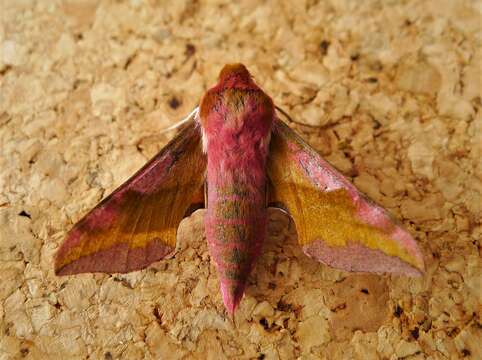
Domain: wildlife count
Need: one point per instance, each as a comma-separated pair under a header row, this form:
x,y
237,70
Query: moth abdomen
x,y
235,233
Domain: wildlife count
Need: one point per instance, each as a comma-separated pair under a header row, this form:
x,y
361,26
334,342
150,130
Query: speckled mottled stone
x,y
389,92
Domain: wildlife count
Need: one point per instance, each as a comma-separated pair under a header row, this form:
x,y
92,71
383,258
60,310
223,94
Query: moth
x,y
235,157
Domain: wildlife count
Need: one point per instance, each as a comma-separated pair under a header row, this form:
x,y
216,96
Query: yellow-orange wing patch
x,y
137,224
336,224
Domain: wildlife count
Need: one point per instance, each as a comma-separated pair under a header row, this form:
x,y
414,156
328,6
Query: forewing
x,y
136,225
336,223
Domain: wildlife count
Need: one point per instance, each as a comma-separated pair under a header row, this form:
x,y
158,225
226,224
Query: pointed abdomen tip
x,y
232,295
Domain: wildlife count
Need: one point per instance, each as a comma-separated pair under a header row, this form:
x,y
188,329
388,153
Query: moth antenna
x,y
285,114
193,113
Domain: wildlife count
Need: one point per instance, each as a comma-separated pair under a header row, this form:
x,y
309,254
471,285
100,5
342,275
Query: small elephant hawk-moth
x,y
236,157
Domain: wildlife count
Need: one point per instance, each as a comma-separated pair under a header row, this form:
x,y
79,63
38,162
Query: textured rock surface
x,y
389,92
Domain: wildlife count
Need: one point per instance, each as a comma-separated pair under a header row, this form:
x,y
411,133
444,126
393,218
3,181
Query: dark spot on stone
x,y
152,270
354,57
129,61
376,124
324,45
365,291
338,308
282,306
77,83
261,356
372,80
79,36
174,103
398,311
264,323
157,315
24,352
271,286
453,332
415,333
25,214
57,305
466,352
190,50
5,70
124,283
108,356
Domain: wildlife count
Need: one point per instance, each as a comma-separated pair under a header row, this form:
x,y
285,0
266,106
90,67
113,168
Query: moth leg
x,y
197,202
271,201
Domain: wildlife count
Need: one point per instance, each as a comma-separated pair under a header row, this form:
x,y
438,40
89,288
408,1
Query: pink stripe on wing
x,y
356,257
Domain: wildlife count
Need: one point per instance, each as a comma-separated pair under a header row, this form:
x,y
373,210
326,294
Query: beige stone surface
x,y
388,91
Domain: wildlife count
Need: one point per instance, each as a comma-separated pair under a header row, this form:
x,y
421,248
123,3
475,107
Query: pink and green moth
x,y
235,157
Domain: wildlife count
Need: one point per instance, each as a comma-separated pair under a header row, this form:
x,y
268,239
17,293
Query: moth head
x,y
234,71
233,104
